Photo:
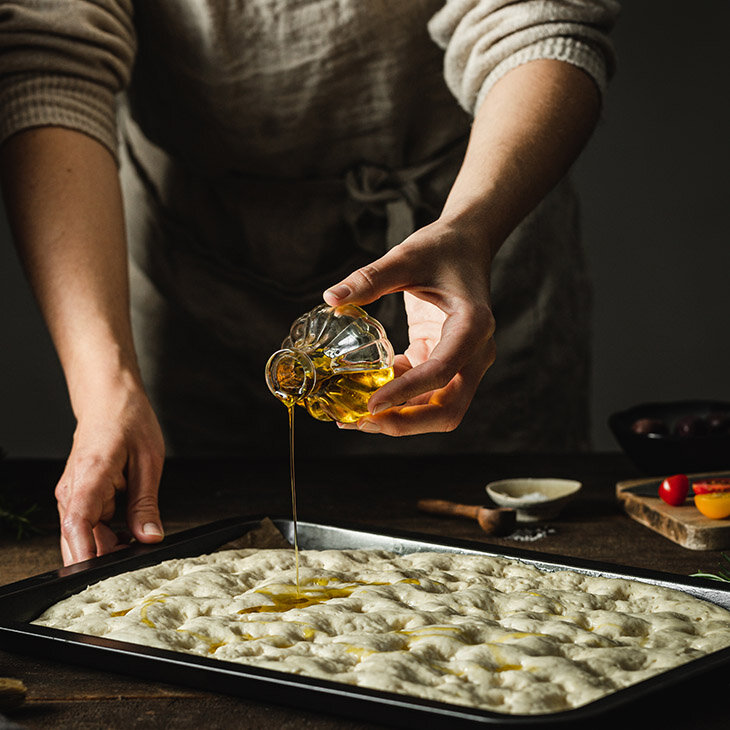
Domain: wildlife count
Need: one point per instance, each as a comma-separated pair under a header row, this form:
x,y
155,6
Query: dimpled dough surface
x,y
480,631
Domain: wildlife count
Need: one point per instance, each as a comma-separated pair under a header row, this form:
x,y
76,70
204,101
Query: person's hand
x,y
443,270
117,446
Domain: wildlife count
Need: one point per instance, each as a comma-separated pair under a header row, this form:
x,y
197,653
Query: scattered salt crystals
x,y
530,534
532,497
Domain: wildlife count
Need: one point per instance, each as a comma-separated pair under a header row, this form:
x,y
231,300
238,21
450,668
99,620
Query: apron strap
x,y
395,194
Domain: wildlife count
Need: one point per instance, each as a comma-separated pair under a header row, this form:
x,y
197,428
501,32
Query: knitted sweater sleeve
x,y
484,39
63,63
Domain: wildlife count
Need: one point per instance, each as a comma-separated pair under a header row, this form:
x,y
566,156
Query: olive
x,y
690,427
649,427
718,422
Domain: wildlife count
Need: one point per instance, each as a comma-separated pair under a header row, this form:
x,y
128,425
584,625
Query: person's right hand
x,y
117,446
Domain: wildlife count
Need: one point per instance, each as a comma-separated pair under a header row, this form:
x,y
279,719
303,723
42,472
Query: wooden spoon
x,y
493,521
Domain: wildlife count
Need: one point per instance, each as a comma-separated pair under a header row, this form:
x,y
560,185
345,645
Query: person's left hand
x,y
443,272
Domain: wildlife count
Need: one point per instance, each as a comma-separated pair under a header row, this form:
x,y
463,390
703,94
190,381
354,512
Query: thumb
x,y
143,516
383,276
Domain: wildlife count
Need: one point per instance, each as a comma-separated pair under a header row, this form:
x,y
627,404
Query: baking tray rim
x,y
23,637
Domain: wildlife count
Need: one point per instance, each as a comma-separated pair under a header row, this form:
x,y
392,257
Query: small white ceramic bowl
x,y
533,499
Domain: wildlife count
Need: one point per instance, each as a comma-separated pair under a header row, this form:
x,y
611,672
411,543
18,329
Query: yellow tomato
x,y
715,505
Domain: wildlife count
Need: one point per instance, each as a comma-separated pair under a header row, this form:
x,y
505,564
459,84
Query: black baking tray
x,y
25,600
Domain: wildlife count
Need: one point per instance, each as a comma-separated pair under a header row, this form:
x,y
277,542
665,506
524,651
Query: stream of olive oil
x,y
292,479
346,397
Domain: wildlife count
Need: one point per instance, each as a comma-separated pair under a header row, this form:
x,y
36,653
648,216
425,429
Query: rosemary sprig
x,y
19,521
14,519
721,575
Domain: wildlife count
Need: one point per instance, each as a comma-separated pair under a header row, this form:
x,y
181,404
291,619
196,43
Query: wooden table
x,y
379,493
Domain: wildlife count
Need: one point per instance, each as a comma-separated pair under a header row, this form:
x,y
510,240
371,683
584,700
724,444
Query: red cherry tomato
x,y
705,486
673,490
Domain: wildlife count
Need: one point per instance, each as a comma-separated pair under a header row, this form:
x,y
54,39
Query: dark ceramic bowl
x,y
675,437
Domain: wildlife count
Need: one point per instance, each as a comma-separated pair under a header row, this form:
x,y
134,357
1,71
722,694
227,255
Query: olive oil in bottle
x,y
326,395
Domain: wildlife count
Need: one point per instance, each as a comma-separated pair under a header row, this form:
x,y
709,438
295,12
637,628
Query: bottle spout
x,y
290,375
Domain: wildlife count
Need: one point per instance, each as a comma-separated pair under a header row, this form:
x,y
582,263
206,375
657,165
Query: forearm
x,y
64,205
528,131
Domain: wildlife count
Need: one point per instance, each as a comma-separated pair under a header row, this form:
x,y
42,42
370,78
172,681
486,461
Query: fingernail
x,y
369,426
380,408
150,528
341,291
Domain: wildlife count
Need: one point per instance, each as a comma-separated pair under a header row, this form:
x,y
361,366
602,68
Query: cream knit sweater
x,y
65,61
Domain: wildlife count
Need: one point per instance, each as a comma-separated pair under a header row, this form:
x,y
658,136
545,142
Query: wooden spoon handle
x,y
453,509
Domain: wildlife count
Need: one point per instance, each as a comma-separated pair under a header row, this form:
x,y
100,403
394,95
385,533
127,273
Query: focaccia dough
x,y
472,630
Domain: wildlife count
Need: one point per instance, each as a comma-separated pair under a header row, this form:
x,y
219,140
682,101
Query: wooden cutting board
x,y
684,525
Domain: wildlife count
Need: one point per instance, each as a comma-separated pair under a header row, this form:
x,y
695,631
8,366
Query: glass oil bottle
x,y
333,360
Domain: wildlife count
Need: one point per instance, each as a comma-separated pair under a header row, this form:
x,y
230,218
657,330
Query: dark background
x,y
654,184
